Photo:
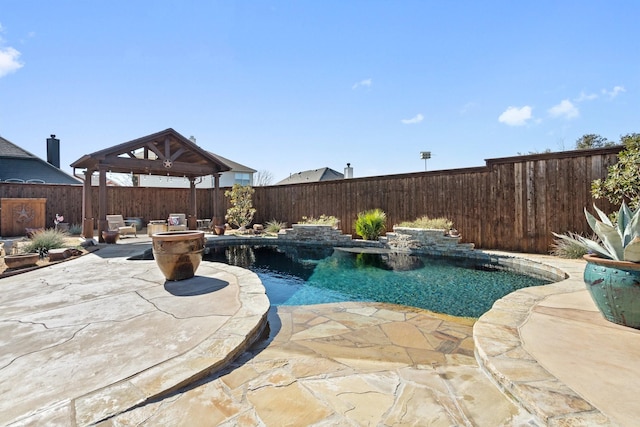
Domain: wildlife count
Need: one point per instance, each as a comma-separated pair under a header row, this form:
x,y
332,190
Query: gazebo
x,y
165,153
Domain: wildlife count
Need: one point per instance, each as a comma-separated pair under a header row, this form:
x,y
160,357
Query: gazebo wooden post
x,y
102,203
87,206
193,218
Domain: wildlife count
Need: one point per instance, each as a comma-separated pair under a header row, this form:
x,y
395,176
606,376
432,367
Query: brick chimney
x,y
53,151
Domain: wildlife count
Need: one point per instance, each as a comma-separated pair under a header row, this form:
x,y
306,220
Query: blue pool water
x,y
304,276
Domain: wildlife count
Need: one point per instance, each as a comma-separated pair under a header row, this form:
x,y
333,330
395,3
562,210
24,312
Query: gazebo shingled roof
x,y
165,153
185,157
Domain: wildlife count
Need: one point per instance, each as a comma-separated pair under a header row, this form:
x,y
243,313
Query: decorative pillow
x,y
174,220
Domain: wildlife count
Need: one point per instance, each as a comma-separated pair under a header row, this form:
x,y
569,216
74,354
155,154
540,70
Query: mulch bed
x,y
44,262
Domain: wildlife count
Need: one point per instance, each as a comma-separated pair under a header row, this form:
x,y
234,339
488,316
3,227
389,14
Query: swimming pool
x,y
298,275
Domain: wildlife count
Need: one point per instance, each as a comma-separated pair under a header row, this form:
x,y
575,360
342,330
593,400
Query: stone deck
x,y
348,364
105,341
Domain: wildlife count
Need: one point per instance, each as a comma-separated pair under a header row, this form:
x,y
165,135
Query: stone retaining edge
x,y
209,356
499,350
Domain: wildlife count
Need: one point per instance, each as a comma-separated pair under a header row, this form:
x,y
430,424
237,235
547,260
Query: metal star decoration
x,y
167,163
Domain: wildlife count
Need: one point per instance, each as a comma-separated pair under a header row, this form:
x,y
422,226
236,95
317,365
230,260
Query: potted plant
x,y
612,273
38,248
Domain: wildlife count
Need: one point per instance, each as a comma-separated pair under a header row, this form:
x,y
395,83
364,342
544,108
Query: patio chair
x,y
204,224
177,222
116,223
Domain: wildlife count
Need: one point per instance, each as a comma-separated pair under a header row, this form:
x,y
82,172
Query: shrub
x,y
570,249
75,229
370,224
241,211
623,179
429,223
44,240
274,226
323,220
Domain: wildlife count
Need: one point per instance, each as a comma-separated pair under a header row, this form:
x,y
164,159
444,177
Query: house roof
x,y
20,165
315,175
9,149
235,167
163,153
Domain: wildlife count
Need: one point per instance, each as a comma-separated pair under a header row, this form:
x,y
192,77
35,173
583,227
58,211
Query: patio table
x,y
157,226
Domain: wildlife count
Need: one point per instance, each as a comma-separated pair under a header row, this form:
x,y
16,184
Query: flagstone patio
x,y
101,340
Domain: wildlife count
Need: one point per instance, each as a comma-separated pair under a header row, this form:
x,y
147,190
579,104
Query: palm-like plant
x,y
370,224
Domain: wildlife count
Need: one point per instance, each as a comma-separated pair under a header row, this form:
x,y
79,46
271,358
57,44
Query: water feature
x,y
298,275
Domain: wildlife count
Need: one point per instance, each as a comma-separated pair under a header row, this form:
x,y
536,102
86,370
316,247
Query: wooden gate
x,y
16,215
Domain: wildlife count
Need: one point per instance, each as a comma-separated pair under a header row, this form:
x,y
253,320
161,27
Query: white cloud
x,y
417,119
614,92
586,97
514,116
9,61
362,83
565,109
8,58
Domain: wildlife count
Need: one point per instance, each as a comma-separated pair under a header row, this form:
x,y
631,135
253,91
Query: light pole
x,y
425,155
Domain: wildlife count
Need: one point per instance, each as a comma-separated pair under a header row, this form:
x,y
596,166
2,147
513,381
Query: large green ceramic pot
x,y
615,289
178,253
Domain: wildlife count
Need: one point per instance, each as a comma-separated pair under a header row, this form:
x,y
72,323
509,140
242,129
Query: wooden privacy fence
x,y
510,204
145,202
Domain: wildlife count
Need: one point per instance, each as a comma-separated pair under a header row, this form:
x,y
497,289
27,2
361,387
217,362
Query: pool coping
x,y
501,350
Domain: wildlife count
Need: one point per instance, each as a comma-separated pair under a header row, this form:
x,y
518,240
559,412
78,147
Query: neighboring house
x,y
239,174
18,165
316,175
113,179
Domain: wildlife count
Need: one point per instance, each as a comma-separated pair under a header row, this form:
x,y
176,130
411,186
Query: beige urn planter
x,y
22,260
178,253
110,236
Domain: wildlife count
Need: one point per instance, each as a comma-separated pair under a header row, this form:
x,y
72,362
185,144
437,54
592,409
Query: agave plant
x,y
620,241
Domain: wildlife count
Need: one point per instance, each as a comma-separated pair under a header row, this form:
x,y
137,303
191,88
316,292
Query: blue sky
x,y
286,86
